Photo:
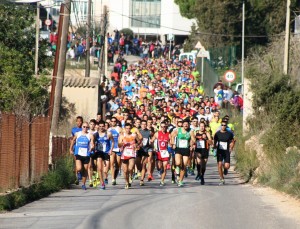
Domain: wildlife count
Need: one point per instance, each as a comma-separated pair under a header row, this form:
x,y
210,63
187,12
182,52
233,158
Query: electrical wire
x,y
199,33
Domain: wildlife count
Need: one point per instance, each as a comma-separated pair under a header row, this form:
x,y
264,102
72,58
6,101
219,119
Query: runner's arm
x,y
112,143
72,144
92,143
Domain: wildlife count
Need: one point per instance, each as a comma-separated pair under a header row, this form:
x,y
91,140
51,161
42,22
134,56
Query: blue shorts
x,y
171,151
118,153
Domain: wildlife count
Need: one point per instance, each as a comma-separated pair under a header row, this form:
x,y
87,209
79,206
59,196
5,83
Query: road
x,y
233,205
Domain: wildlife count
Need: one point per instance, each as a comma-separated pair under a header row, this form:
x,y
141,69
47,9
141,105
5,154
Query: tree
x,y
220,22
17,42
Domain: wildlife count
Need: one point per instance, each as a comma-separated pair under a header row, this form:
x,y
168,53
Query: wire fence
x,y
24,150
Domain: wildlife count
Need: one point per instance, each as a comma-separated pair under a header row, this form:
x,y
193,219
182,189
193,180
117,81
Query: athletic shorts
x,y
171,151
223,155
93,156
203,153
143,152
159,158
118,153
103,156
84,160
183,151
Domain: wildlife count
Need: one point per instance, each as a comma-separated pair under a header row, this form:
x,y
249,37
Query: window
x,y
145,13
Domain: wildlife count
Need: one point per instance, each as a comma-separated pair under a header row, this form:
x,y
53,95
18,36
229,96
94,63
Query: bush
x,y
62,176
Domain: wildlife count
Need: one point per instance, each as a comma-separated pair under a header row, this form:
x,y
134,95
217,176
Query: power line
x,y
199,33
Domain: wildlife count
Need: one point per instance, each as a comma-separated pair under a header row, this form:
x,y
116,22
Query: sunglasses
x,y
223,125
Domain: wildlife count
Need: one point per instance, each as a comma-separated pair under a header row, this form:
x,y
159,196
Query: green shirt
x,y
183,139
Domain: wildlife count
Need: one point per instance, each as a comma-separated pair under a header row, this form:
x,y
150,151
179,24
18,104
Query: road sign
x,y
230,76
199,45
170,37
203,53
48,22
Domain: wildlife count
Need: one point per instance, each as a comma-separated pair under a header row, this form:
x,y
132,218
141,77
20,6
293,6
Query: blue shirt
x,y
75,130
82,145
128,90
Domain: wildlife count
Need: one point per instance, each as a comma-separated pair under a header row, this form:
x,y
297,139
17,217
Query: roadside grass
x,y
60,177
246,160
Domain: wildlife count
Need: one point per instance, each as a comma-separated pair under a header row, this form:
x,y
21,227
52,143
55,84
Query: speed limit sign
x,y
230,76
48,22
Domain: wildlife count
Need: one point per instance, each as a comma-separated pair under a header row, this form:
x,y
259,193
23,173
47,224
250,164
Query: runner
x,y
203,140
127,143
183,145
144,150
224,143
77,128
84,144
115,157
163,139
104,146
91,165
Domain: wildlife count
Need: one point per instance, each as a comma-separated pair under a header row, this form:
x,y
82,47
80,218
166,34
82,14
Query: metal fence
x,y
210,77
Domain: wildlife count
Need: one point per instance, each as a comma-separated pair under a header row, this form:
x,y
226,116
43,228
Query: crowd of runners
x,y
160,120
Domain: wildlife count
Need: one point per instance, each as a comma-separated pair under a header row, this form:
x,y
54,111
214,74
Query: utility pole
x,y
243,46
61,67
287,38
37,39
88,33
104,23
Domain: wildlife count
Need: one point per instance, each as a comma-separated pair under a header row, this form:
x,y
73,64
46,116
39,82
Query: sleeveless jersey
x,y
128,150
115,133
162,144
82,145
183,139
201,142
146,136
102,143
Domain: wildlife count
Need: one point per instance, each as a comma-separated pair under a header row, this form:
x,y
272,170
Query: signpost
x,y
203,54
229,76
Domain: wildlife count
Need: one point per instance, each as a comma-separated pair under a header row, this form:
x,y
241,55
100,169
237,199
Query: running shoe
x,y
197,177
79,176
177,170
106,181
139,174
180,184
77,182
102,187
142,183
173,182
130,182
186,173
162,184
126,186
168,166
83,187
192,173
91,184
222,182
225,171
150,178
202,182
113,182
135,176
159,173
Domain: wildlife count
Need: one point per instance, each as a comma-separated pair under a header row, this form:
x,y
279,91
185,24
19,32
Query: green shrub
x,y
62,176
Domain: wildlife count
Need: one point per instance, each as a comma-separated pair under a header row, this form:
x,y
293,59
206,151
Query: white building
x,y
148,17
145,17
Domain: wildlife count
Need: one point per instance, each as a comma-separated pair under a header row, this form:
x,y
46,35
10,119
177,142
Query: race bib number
x,y
82,151
183,143
223,145
200,144
164,154
101,147
128,152
145,141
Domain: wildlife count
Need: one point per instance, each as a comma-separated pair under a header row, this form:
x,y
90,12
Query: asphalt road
x,y
233,205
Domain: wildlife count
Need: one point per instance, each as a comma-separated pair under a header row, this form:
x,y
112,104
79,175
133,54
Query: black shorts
x,y
84,160
223,155
143,152
202,152
103,156
183,151
93,156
